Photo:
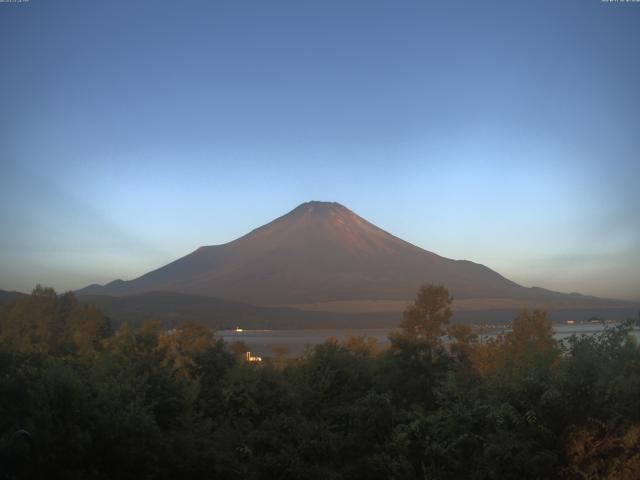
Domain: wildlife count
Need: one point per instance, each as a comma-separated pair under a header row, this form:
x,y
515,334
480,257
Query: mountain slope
x,y
318,252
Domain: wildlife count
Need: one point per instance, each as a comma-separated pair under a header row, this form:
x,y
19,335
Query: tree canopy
x,y
80,401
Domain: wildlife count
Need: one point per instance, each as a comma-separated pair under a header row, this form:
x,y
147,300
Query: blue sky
x,y
507,133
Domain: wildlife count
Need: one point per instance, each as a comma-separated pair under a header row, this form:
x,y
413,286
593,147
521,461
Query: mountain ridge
x,y
319,252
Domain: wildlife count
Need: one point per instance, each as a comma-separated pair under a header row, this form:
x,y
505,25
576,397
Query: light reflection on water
x,y
261,342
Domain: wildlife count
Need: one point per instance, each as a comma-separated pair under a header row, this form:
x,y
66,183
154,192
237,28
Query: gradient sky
x,y
507,133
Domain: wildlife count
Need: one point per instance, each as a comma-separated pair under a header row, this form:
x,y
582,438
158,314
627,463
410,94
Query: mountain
x,y
6,296
322,253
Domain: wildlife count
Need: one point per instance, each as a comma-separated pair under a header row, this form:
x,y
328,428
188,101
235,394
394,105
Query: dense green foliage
x,y
78,401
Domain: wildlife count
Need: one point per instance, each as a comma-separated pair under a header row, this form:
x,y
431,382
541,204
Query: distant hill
x,y
323,252
171,308
6,296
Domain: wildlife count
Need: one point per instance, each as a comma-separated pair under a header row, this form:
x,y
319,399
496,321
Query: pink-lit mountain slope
x,y
321,252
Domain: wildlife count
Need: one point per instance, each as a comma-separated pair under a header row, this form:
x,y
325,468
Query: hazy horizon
x,y
503,134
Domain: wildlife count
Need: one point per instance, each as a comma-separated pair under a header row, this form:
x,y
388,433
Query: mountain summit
x,y
318,252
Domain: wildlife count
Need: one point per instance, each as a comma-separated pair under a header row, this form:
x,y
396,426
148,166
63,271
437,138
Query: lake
x,y
261,342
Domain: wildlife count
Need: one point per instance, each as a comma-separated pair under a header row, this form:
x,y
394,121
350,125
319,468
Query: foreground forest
x,y
78,400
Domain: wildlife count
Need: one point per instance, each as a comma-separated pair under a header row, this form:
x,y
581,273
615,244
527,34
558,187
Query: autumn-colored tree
x,y
362,345
86,329
531,333
121,341
488,356
280,353
49,323
596,452
462,334
530,330
25,323
238,348
148,402
146,338
463,339
426,320
180,345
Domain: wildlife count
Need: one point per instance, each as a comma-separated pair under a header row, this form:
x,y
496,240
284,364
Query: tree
x,y
55,324
121,341
238,348
596,452
86,329
427,318
463,340
362,345
530,339
180,345
280,352
531,331
417,360
26,322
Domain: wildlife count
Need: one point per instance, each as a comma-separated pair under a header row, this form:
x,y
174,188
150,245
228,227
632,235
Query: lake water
x,y
261,342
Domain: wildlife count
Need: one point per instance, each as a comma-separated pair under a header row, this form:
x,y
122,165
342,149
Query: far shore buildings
x,y
251,358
